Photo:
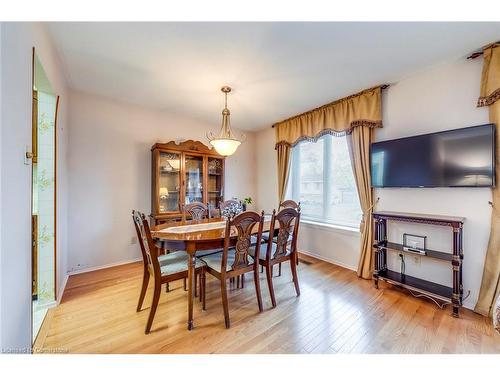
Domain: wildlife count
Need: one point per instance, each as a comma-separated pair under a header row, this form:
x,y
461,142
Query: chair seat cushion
x,y
203,253
263,250
176,262
214,261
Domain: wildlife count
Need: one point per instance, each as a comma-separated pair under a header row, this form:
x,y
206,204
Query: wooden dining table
x,y
192,236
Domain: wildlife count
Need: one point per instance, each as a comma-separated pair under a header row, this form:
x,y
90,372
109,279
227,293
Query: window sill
x,y
331,227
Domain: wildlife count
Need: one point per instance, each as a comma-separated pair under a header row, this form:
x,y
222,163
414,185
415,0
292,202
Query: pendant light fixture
x,y
226,142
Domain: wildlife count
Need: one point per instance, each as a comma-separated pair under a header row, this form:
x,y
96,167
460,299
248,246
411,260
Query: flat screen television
x,y
454,158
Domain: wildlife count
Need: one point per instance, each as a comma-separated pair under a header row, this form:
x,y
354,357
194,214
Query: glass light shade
x,y
163,192
225,146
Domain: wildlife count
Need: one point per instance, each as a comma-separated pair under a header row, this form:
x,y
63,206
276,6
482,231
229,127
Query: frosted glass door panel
x,y
169,187
194,179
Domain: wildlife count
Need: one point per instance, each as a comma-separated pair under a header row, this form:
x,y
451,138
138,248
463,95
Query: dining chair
x,y
285,204
286,222
265,236
163,268
196,211
236,260
163,249
289,204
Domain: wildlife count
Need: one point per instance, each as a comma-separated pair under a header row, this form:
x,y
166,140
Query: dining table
x,y
195,235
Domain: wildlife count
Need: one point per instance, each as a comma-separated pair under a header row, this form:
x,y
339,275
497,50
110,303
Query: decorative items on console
x,y
414,243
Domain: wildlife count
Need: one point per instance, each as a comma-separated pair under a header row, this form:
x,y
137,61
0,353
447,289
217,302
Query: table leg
x,y
191,273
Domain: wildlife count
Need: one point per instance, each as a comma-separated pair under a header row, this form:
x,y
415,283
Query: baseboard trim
x,y
96,268
328,260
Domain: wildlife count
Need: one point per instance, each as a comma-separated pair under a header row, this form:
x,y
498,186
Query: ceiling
x,y
276,70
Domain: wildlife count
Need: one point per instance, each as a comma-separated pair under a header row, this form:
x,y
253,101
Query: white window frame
x,y
294,181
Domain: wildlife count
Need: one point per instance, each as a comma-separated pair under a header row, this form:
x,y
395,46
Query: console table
x,y
424,288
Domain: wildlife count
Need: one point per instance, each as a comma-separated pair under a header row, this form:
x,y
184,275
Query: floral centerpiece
x,y
231,210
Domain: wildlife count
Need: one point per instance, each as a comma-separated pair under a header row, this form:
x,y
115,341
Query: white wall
x,y
436,99
17,42
267,177
439,99
110,162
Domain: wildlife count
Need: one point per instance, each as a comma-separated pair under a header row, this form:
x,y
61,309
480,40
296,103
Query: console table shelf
x,y
418,285
425,288
428,253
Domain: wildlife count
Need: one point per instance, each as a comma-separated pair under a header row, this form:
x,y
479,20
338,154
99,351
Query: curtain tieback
x,y
365,213
369,210
494,210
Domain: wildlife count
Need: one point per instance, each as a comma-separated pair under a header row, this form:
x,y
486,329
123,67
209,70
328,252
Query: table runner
x,y
194,227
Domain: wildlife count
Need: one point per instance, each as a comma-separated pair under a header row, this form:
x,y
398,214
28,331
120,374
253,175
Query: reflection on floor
x,y
336,313
39,312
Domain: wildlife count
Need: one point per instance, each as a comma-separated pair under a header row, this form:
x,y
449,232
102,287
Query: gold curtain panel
x,y
490,80
490,95
338,117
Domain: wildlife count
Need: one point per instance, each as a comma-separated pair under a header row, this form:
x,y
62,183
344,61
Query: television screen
x,y
455,158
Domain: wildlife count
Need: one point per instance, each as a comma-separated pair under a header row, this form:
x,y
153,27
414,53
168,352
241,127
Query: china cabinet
x,y
184,173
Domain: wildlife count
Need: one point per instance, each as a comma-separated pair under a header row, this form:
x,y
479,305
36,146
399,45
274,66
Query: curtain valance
x,y
338,118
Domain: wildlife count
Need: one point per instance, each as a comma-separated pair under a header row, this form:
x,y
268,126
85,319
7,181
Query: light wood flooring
x,y
336,313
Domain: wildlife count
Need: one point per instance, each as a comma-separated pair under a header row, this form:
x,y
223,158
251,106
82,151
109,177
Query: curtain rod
x,y
480,52
383,87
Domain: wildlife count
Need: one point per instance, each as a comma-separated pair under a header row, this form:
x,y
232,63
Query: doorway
x,y
43,195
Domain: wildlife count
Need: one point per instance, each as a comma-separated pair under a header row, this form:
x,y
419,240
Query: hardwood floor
x,y
336,313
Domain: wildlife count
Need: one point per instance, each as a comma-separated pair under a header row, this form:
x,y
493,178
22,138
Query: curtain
x,y
359,142
339,117
490,95
284,152
356,116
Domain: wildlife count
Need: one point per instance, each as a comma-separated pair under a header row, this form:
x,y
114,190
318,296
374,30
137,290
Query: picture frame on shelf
x,y
414,243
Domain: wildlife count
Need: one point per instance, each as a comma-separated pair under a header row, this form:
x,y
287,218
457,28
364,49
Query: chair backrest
x,y
289,204
197,211
286,222
148,248
244,224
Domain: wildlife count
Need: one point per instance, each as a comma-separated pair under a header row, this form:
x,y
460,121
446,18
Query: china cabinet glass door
x,y
169,181
214,182
193,178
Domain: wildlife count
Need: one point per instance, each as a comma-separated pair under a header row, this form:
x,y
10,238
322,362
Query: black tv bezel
x,y
439,186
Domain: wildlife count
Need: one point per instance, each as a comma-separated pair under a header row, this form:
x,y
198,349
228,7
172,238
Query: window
x,y
322,180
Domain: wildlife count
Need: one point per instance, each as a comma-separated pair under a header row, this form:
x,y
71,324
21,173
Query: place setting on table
x,y
225,246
